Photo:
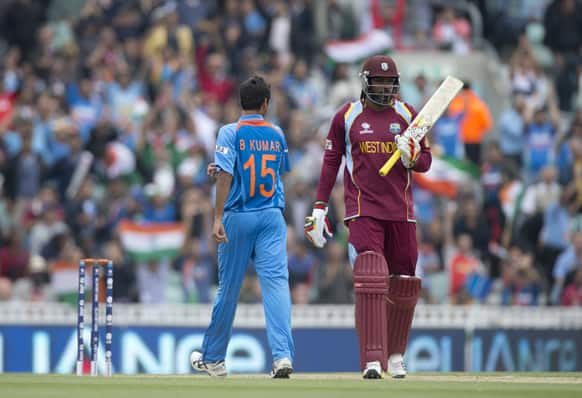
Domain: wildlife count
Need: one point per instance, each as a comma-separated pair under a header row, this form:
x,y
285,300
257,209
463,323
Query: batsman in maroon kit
x,y
379,213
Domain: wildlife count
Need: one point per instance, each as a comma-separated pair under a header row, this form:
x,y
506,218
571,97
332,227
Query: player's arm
x,y
223,182
224,159
317,223
335,148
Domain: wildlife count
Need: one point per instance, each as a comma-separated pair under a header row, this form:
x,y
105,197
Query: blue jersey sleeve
x,y
225,153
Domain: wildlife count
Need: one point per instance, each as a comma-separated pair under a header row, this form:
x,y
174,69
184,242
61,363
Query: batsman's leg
x,y
370,285
367,235
403,291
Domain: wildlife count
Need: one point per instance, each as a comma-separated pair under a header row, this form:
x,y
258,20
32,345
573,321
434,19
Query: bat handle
x,y
390,163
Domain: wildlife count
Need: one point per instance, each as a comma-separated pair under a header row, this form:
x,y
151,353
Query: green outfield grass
x,y
446,385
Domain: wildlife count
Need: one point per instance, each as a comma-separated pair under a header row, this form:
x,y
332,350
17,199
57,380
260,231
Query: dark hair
x,y
253,93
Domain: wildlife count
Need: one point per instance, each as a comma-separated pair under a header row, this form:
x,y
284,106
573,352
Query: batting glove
x,y
409,149
317,224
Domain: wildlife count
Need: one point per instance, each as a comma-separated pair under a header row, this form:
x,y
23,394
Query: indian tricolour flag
x,y
446,175
65,279
145,242
371,43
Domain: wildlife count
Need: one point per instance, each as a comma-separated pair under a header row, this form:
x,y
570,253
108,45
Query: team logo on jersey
x,y
366,129
395,128
221,149
328,145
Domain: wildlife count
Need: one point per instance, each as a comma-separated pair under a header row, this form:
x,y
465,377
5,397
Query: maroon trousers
x,y
385,286
396,240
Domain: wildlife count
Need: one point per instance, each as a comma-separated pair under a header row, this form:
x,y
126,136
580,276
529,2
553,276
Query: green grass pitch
x,y
446,385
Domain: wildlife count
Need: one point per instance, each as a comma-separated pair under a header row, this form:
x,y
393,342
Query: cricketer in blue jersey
x,y
251,155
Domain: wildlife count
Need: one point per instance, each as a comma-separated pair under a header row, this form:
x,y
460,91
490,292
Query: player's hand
x,y
409,149
212,171
317,224
218,232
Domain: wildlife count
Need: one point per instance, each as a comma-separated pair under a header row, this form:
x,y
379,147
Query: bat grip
x,y
390,163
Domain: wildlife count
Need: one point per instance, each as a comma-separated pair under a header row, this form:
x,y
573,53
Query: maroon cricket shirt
x,y
366,138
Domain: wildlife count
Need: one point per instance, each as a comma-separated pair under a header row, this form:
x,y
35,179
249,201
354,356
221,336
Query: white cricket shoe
x,y
373,370
214,369
396,366
282,368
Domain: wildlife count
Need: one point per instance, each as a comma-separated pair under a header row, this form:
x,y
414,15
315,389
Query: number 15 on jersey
x,y
266,178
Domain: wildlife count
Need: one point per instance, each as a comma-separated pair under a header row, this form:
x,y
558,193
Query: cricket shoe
x,y
214,369
282,368
373,370
396,366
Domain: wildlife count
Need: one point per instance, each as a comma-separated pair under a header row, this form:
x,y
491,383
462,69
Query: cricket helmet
x,y
380,66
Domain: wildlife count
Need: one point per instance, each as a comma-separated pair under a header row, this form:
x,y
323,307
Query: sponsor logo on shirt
x,y
366,129
395,128
221,149
328,145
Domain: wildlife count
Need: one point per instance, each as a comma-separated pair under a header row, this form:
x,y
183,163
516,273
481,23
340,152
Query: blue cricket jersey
x,y
255,153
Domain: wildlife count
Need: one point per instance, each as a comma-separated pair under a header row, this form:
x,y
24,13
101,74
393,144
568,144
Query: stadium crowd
x,y
109,112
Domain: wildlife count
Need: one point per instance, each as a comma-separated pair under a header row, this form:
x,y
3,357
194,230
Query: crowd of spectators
x,y
134,92
514,238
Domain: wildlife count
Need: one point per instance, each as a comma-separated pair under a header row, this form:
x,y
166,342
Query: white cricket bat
x,y
428,116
